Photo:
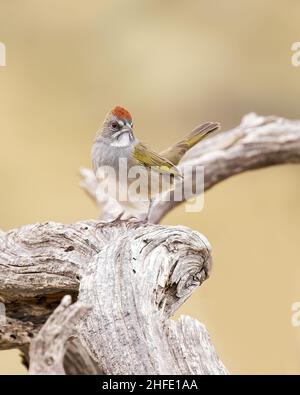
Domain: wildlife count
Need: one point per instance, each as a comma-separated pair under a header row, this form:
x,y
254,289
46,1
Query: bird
x,y
118,157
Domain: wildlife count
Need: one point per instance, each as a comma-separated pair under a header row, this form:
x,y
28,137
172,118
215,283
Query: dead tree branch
x,y
257,142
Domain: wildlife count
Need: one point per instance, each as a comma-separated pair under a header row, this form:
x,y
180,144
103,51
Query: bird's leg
x,y
149,208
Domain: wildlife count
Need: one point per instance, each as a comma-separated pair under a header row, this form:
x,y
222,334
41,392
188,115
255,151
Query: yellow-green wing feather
x,y
146,157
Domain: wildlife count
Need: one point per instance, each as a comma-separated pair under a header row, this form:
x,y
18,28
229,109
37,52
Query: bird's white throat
x,y
122,141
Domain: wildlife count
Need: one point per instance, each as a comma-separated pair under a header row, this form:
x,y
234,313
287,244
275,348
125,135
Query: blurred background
x,y
172,64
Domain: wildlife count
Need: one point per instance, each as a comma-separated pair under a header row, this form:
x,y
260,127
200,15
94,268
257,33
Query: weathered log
x,y
134,275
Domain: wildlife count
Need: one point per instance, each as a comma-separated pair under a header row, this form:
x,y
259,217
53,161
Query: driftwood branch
x,y
135,276
257,142
48,348
132,276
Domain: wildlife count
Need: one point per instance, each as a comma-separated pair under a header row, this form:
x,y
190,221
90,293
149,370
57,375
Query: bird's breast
x,y
105,154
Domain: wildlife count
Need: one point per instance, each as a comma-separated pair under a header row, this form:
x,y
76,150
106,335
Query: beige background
x,y
173,64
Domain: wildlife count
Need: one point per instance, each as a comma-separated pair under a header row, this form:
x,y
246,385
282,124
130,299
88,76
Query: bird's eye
x,y
115,125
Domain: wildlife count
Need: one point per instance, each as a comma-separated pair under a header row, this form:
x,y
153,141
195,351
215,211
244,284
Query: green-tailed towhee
x,y
116,147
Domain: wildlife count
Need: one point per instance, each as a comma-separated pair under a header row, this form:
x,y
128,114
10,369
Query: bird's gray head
x,y
118,127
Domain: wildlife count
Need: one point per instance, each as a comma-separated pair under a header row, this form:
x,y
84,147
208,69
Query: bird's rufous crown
x,y
121,113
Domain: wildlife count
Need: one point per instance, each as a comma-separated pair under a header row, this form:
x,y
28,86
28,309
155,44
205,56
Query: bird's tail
x,y
201,132
176,151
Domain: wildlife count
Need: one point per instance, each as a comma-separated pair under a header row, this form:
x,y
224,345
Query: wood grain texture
x,y
134,275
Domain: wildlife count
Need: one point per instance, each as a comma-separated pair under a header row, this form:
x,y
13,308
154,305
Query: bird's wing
x,y
176,151
146,157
